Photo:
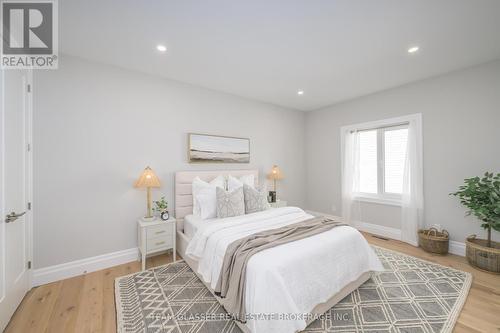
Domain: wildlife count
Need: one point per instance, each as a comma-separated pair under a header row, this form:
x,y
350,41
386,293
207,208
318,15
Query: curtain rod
x,y
380,127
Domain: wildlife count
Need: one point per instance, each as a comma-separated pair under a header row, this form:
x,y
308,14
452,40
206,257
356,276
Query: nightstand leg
x,y
143,262
174,248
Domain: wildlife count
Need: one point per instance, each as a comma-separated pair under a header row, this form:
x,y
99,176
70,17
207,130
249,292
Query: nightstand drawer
x,y
159,243
162,230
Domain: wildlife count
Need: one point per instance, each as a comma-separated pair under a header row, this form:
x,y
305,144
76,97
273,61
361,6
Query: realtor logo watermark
x,y
29,34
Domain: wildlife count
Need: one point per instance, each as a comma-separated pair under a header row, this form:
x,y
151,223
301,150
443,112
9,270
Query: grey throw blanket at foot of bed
x,y
232,279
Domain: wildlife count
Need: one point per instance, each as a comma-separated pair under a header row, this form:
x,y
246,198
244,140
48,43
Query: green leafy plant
x,y
482,197
160,205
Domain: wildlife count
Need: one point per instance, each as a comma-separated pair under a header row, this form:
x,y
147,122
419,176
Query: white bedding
x,y
191,224
289,279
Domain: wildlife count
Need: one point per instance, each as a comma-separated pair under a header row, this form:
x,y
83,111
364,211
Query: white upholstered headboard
x,y
183,186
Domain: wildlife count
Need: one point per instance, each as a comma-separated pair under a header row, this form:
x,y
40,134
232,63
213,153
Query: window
x,y
382,162
382,154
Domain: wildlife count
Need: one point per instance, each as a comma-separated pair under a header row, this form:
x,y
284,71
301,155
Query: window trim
x,y
381,197
377,199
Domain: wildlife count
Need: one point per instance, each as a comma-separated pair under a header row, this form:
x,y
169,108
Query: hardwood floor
x,y
86,303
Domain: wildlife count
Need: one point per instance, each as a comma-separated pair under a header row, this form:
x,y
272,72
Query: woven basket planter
x,y
482,257
434,241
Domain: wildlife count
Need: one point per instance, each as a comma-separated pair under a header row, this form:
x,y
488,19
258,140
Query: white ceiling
x,y
267,50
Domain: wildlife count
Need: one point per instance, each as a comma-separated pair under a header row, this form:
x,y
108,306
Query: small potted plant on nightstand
x,y
482,197
161,207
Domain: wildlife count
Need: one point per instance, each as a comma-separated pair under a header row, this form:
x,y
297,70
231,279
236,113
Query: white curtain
x,y
412,201
350,173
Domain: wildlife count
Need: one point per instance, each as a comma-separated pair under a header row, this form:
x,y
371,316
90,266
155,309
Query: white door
x,y
14,229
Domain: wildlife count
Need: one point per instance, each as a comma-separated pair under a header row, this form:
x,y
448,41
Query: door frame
x,y
28,123
28,128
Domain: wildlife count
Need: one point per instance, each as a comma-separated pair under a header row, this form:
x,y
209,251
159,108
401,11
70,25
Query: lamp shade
x,y
275,173
147,179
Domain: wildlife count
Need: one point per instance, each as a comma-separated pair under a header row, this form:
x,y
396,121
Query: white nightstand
x,y
155,236
278,204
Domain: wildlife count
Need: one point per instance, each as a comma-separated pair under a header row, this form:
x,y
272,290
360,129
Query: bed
x,y
286,285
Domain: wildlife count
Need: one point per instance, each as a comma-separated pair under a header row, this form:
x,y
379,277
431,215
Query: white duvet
x,y
290,279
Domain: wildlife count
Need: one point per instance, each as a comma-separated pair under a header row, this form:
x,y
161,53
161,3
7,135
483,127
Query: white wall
x,y
96,127
461,133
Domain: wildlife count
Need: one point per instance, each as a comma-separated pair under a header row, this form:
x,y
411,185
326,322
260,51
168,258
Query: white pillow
x,y
207,202
233,183
204,196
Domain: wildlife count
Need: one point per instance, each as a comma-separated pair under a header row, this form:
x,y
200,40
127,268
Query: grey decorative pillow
x,y
230,203
255,200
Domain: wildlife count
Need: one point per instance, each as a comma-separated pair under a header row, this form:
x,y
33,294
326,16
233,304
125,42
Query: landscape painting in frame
x,y
221,149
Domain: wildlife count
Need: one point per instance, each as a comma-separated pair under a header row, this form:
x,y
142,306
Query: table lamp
x,y
274,175
148,179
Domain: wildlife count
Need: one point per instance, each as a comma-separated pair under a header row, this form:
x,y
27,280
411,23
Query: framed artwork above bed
x,y
203,148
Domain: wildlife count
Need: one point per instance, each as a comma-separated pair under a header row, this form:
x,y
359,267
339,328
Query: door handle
x,y
12,217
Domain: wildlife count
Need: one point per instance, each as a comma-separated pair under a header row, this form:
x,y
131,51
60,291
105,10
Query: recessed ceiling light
x,y
300,92
413,49
161,48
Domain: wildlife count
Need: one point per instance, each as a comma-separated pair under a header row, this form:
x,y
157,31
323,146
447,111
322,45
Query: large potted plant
x,y
482,197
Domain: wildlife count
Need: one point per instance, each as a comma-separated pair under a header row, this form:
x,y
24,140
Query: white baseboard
x,y
78,267
379,230
457,248
375,229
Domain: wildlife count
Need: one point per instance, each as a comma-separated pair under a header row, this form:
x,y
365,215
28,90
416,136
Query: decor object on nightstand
x,y
274,175
161,208
148,179
156,236
482,197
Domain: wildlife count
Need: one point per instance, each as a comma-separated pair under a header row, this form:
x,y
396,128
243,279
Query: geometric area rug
x,y
411,296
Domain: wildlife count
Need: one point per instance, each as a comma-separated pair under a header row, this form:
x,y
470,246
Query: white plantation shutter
x,y
394,159
381,160
368,161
